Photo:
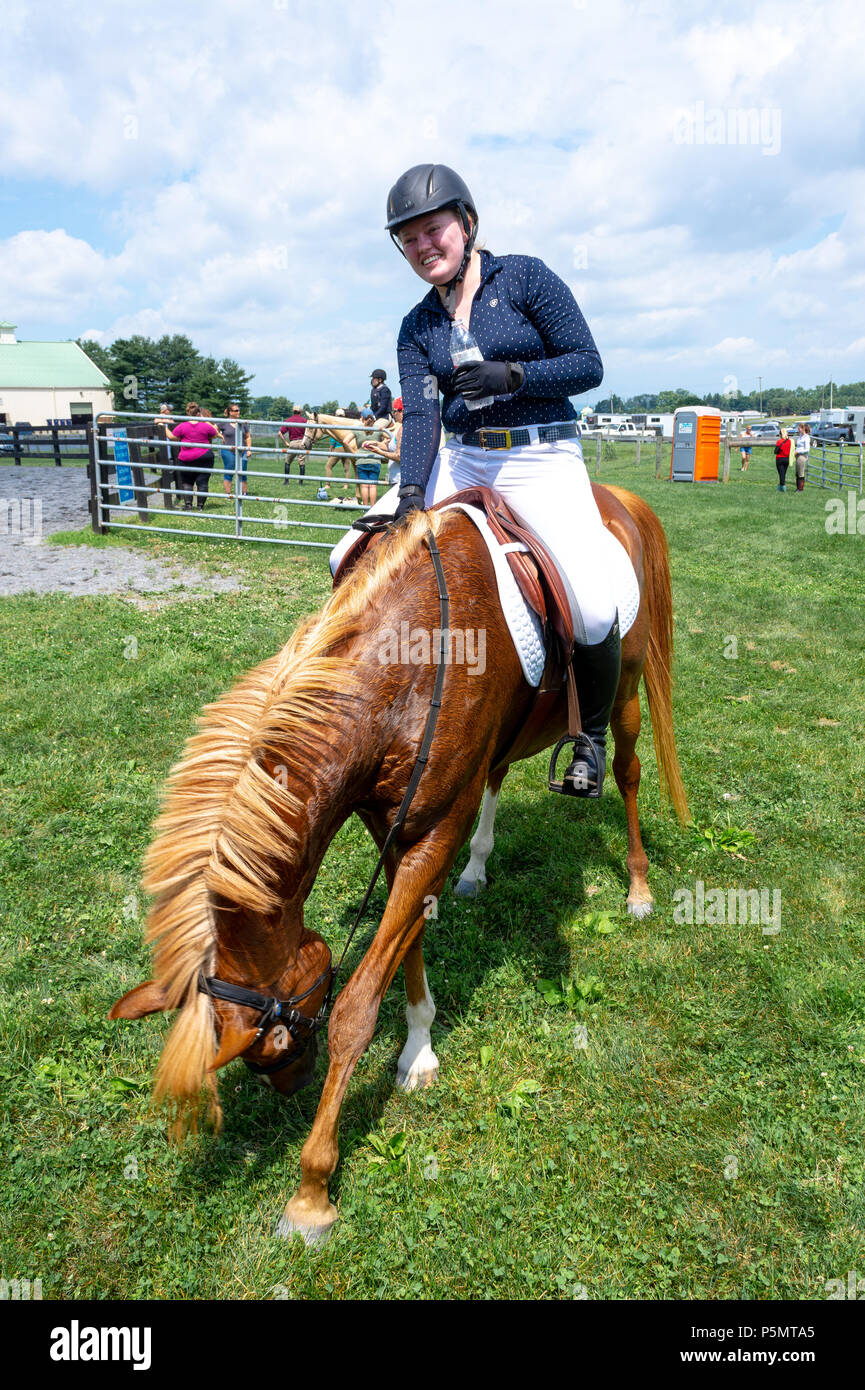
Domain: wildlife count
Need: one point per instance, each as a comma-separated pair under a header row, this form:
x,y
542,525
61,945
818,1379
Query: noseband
x,y
272,1010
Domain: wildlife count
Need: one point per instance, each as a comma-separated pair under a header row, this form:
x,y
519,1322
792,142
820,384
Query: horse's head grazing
x,y
282,1048
280,1043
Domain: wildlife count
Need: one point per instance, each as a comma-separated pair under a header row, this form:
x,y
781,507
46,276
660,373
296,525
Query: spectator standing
x,y
195,456
368,469
803,448
389,447
168,478
291,433
782,459
745,450
229,433
380,398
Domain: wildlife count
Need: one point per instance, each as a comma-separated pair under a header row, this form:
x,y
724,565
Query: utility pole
x,y
760,382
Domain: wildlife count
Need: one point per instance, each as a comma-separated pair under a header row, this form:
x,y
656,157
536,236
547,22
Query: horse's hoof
x,y
313,1236
640,907
469,888
416,1080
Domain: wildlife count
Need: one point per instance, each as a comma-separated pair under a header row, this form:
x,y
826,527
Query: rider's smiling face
x,y
434,245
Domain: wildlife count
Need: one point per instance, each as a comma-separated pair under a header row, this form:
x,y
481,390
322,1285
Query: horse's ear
x,y
143,999
234,1039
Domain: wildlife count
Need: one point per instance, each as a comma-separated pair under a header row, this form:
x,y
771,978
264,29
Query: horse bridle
x,y
273,1010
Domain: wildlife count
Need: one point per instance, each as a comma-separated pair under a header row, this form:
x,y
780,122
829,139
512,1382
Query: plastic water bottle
x,y
464,349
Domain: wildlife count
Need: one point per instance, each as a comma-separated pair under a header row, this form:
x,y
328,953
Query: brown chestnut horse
x,y
324,729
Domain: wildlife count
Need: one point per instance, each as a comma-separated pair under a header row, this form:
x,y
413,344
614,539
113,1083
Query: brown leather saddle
x,y
537,576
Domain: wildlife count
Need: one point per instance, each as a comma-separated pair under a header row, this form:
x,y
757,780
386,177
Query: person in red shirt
x,y
292,432
782,460
196,435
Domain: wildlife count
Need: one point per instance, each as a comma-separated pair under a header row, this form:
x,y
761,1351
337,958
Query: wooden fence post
x,y
659,459
726,477
598,457
639,442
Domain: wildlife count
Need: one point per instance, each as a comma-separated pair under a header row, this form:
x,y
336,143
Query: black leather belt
x,y
516,438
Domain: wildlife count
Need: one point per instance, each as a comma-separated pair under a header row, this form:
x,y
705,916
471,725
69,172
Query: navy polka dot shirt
x,y
522,313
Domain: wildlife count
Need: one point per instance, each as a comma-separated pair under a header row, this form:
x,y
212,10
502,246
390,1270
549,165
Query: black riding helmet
x,y
429,188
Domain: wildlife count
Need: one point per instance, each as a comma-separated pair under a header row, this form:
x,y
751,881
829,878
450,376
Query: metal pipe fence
x,y
835,466
126,445
137,481
829,465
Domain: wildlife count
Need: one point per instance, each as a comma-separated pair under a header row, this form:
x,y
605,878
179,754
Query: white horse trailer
x,y
655,424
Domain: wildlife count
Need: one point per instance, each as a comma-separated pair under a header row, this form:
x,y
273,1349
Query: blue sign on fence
x,y
121,462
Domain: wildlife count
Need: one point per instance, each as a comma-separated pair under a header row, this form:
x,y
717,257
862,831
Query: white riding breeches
x,y
548,486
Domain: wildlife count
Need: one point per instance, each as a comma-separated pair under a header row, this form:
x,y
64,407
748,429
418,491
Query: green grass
x,y
707,1142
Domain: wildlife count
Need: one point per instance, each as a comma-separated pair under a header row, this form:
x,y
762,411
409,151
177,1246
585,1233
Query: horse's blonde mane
x,y
224,823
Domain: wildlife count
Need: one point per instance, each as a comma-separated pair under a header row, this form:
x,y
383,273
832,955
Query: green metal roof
x,y
47,365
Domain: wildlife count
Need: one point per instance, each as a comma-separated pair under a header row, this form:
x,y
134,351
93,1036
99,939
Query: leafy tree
x,y
671,400
135,373
97,353
174,359
235,385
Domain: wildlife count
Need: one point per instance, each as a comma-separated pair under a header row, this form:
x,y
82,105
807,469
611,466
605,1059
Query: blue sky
x,y
221,169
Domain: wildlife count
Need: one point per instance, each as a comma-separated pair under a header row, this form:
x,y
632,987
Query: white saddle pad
x,y
523,623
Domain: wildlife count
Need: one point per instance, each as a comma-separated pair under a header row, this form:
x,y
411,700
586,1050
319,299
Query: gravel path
x,y
34,502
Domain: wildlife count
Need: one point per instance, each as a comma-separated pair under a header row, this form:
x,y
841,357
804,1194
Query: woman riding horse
x,y
325,729
537,351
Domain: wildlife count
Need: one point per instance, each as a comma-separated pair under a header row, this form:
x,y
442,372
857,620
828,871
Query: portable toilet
x,y
696,444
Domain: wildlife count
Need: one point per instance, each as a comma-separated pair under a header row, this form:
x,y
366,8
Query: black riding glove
x,y
411,498
477,379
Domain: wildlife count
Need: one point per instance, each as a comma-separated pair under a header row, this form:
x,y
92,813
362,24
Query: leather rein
x,y
273,1010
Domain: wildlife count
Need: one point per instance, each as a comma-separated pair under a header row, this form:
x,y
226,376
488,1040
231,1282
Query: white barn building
x,y
48,381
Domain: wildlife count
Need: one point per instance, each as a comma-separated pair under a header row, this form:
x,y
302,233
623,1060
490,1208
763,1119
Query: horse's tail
x,y
658,669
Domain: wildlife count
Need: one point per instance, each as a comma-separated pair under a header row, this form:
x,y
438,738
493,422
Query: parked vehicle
x,y
830,434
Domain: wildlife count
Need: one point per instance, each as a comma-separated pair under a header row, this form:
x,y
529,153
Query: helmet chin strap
x,y
450,297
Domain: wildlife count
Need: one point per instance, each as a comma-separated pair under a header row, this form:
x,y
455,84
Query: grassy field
x,y
705,1142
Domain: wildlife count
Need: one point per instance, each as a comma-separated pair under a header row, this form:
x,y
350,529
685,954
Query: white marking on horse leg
x,y
640,907
418,1065
473,876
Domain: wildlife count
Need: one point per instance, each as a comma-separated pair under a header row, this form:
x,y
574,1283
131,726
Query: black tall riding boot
x,y
597,669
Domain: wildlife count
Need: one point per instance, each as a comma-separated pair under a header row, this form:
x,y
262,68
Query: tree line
x,y
146,371
776,400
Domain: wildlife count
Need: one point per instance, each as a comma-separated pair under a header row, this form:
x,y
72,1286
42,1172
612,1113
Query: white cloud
x,y
39,270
